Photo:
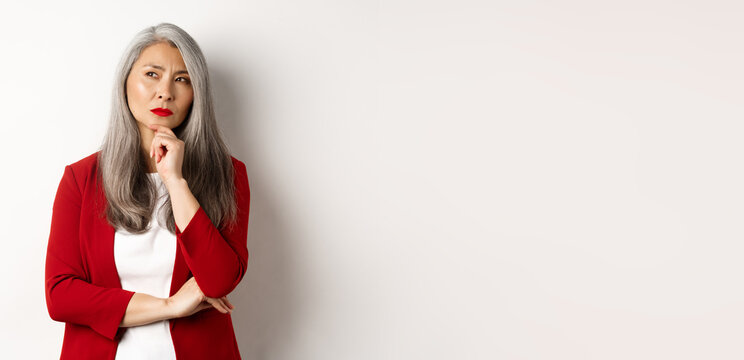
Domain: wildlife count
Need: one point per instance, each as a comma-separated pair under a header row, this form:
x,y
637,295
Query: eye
x,y
186,80
148,73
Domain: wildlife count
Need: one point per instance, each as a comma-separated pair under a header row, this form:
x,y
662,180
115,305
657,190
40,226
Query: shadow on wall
x,y
265,304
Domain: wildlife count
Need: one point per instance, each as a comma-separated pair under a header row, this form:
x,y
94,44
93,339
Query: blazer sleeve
x,y
217,259
70,297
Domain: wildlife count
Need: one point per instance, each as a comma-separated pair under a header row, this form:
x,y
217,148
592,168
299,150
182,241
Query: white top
x,y
145,265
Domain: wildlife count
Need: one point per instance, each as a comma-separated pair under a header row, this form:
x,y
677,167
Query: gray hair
x,y
130,194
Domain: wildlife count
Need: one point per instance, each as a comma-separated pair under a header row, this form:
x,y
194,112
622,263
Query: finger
x,y
154,127
218,305
162,144
152,148
165,135
229,310
164,129
224,298
155,144
222,303
221,307
161,129
159,153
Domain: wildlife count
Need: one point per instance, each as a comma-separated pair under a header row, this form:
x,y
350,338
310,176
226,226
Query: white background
x,y
430,180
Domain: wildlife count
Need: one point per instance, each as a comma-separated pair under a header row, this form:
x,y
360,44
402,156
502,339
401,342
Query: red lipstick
x,y
161,112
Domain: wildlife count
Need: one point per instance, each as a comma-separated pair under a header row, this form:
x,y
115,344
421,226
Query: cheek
x,y
188,99
139,90
136,91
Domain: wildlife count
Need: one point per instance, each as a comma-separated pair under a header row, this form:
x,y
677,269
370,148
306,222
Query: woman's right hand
x,y
190,299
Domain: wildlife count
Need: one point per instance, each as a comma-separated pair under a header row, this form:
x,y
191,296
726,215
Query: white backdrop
x,y
430,179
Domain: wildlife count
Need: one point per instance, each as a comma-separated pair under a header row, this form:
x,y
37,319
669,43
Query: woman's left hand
x,y
168,152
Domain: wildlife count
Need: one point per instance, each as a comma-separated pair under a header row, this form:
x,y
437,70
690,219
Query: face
x,y
158,79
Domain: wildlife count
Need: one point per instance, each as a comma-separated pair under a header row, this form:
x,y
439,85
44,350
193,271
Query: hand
x,y
168,152
190,299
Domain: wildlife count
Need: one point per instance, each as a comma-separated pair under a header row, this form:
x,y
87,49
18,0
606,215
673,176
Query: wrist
x,y
168,308
175,184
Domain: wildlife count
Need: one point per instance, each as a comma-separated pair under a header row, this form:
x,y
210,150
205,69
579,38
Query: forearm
x,y
183,202
145,309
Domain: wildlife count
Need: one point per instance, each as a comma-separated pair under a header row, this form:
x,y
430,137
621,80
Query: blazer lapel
x,y
181,272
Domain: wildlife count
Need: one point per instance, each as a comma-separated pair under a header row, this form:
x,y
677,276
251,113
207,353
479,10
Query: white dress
x,y
145,265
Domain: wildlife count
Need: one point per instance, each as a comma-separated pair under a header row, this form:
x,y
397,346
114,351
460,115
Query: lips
x,y
161,112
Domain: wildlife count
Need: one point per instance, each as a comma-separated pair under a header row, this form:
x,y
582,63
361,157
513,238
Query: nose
x,y
164,92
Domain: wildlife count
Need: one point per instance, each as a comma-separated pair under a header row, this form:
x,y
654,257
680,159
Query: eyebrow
x,y
162,68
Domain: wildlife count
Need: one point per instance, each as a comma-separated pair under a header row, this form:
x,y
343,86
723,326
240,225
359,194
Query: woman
x,y
135,266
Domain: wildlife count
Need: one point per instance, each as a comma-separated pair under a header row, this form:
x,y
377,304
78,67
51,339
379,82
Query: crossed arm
x,y
216,259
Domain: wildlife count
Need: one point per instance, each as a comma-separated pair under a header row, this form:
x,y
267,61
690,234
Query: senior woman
x,y
149,233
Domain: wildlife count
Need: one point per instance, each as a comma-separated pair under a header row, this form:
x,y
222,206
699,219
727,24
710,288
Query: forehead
x,y
162,54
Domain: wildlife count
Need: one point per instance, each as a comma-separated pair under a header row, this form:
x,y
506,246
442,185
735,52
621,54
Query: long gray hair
x,y
207,164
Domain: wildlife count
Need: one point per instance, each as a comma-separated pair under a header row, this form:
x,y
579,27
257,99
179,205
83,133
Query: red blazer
x,y
82,284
